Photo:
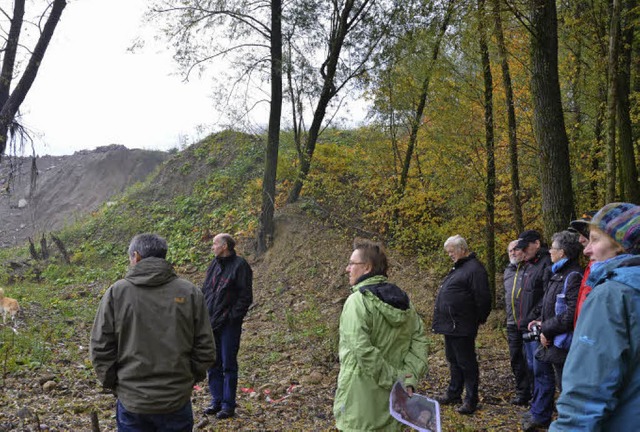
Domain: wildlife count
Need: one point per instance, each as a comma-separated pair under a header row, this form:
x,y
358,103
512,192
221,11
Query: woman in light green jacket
x,y
382,340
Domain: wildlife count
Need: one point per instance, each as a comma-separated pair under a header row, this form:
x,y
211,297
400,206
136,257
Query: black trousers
x,y
522,372
463,365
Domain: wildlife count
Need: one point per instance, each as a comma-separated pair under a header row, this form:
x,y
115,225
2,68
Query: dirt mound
x,y
66,187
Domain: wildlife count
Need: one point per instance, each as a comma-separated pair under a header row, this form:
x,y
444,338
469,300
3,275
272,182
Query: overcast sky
x,y
90,91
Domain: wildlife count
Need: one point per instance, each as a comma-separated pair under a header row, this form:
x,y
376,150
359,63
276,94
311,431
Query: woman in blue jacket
x,y
601,380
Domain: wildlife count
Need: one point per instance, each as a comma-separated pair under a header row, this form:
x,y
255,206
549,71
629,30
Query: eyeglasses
x,y
351,263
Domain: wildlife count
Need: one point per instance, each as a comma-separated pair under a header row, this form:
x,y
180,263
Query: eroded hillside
x,y
67,188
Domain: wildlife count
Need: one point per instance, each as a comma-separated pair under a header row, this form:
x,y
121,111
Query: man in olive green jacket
x,y
151,340
382,340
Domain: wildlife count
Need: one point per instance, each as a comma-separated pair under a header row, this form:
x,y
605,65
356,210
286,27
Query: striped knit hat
x,y
622,222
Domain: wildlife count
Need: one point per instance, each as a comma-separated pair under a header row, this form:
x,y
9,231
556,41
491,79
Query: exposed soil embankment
x,y
66,187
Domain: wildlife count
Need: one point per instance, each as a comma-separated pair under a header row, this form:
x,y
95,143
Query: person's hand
x,y
410,390
532,323
544,341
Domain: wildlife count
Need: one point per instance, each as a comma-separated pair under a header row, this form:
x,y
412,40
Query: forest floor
x,y
288,357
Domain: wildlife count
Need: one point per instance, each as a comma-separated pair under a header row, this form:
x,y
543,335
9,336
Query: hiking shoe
x,y
467,408
529,424
525,415
520,401
225,414
212,409
445,399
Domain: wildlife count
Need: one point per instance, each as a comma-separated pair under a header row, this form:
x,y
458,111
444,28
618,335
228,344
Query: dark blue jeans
x,y
178,421
223,376
463,366
530,352
543,391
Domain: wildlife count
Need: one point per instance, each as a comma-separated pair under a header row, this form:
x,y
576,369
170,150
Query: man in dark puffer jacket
x,y
462,304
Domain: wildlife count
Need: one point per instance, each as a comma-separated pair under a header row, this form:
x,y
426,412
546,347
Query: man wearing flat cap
x,y
536,261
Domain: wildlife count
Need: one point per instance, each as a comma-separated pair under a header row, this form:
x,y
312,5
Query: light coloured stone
x,y
49,386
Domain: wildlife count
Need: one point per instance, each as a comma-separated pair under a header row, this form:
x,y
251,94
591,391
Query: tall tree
x,y
265,232
630,189
244,30
401,80
11,101
511,118
421,99
612,100
490,189
548,118
356,25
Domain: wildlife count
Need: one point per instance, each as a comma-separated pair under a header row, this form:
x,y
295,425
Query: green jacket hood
x,y
151,272
390,301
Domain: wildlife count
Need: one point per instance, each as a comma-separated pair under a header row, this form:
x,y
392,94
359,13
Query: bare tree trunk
x,y
61,248
548,120
9,60
575,78
630,190
511,117
490,191
32,250
265,233
340,29
635,75
44,248
296,103
10,50
612,100
422,100
11,106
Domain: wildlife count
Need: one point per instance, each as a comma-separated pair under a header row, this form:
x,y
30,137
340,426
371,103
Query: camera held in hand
x,y
533,335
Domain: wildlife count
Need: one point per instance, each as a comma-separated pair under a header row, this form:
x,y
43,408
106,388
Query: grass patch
x,y
52,332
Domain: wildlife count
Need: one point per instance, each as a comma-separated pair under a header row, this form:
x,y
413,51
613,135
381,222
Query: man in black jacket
x,y
462,304
536,263
228,293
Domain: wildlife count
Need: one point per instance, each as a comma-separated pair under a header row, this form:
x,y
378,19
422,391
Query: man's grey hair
x,y
569,243
148,245
513,260
457,242
229,241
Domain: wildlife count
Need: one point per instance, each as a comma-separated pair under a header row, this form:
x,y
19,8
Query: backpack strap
x,y
566,280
